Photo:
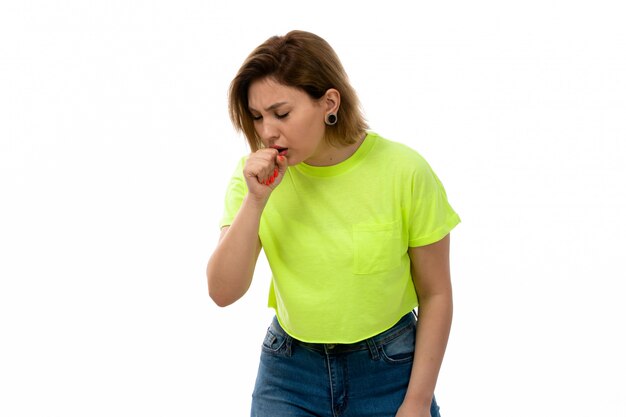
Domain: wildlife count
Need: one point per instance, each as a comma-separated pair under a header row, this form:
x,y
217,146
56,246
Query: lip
x,y
280,149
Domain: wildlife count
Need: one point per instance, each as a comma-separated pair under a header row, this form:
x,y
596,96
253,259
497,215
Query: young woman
x,y
355,228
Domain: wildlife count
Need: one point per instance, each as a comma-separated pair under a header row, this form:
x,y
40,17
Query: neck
x,y
333,155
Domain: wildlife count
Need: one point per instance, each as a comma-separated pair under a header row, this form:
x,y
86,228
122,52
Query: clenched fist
x,y
263,172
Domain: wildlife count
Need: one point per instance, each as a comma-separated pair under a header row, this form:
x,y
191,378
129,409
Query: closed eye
x,y
278,116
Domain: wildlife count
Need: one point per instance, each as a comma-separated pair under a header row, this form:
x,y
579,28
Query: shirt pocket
x,y
377,247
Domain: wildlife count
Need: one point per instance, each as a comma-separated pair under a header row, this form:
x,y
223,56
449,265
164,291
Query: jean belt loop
x,y
373,349
288,343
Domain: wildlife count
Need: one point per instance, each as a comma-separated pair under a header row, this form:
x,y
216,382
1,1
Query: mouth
x,y
281,150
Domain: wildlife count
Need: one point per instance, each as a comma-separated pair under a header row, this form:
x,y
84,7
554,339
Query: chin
x,y
291,161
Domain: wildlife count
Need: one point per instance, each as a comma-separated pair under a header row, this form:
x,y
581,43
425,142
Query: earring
x,y
331,119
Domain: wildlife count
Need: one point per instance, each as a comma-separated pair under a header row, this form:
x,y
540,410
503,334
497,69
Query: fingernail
x,y
281,158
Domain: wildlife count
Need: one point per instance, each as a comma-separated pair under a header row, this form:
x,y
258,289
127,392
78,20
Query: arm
x,y
231,267
431,276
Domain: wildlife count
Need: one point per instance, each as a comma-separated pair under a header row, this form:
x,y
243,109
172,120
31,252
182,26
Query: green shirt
x,y
336,239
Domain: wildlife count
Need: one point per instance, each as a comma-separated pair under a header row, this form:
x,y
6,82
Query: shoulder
x,y
237,181
238,169
398,154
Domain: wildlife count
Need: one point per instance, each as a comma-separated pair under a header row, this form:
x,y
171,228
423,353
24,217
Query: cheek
x,y
307,131
256,127
315,125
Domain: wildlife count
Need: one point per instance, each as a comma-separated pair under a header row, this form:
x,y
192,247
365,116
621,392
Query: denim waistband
x,y
406,323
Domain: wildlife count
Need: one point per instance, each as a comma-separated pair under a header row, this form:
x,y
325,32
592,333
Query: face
x,y
286,117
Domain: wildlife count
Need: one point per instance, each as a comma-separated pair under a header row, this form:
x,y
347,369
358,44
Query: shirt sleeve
x,y
431,216
235,193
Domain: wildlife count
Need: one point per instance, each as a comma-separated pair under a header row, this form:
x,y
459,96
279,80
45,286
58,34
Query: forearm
x,y
231,267
433,329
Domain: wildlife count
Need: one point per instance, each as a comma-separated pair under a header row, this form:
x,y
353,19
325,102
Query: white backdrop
x,y
115,150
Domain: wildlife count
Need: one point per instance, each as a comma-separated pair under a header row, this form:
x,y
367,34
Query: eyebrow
x,y
272,107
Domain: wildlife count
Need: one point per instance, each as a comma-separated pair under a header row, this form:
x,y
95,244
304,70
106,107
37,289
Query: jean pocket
x,y
401,348
274,342
377,247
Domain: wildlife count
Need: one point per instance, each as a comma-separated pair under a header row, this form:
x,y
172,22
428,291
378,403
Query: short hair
x,y
301,60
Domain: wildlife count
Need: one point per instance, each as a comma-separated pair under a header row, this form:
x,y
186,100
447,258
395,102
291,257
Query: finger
x,y
263,172
281,161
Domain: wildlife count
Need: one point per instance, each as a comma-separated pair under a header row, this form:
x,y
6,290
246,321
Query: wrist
x,y
255,203
418,399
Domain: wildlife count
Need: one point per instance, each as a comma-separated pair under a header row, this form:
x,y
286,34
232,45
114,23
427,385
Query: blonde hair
x,y
305,61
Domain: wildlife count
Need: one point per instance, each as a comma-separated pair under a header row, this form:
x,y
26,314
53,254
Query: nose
x,y
267,131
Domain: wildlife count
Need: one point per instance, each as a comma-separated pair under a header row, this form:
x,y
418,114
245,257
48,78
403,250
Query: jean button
x,y
330,346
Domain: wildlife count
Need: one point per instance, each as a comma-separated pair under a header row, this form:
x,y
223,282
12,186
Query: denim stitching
x,y
395,361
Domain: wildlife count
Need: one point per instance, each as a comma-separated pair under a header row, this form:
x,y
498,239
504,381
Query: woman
x,y
355,228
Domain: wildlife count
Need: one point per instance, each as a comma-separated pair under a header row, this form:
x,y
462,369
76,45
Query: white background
x,y
115,150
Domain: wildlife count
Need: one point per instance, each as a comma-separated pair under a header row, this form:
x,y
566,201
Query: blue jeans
x,y
363,379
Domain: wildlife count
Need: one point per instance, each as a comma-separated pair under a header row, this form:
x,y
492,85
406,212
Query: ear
x,y
331,100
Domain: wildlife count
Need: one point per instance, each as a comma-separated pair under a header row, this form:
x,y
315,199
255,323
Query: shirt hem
x,y
344,341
